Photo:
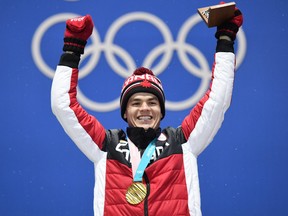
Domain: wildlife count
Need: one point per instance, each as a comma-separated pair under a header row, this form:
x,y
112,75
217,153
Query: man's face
x,y
143,110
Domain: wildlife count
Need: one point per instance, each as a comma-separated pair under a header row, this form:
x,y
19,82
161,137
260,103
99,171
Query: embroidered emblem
x,y
145,84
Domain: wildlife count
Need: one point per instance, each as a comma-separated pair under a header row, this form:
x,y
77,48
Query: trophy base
x,y
217,14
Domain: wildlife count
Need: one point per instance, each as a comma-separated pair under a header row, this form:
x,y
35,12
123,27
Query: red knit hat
x,y
142,80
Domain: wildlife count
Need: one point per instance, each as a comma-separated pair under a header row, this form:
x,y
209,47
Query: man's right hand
x,y
77,32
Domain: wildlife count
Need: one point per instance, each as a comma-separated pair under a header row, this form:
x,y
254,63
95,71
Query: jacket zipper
x,y
148,192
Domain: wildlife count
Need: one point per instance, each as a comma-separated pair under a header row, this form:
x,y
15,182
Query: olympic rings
x,y
110,49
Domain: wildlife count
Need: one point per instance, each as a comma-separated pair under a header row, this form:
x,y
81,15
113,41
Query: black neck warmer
x,y
140,137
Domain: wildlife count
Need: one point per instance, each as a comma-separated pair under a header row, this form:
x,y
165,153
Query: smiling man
x,y
146,169
143,110
142,100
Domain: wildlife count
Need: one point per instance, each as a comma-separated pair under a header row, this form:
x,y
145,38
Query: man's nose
x,y
144,106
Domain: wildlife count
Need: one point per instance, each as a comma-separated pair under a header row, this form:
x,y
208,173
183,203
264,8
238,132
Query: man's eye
x,y
153,103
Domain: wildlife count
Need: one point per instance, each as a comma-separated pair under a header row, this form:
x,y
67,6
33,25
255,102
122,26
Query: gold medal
x,y
136,193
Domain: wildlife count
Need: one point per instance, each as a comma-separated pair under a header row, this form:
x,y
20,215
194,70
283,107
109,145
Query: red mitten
x,y
77,32
230,27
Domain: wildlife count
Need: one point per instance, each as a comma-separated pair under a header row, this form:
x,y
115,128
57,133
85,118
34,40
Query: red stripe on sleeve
x,y
91,125
190,120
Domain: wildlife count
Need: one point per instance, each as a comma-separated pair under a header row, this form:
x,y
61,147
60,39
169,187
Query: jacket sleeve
x,y
205,119
84,129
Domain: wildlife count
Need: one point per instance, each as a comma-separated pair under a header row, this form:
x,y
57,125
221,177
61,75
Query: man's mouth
x,y
144,118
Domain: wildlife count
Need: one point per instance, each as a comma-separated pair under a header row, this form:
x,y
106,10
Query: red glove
x,y
230,27
77,32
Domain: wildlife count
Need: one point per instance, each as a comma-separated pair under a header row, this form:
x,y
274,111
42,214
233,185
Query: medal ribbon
x,y
144,161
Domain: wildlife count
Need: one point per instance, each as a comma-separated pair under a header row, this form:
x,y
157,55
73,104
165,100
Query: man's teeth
x,y
145,118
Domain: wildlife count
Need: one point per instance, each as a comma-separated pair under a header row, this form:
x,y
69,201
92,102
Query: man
x,y
145,170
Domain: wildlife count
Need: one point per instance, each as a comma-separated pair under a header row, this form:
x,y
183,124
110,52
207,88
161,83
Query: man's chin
x,y
145,126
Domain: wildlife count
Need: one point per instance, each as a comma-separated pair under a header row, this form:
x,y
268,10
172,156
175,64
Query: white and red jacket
x,y
172,177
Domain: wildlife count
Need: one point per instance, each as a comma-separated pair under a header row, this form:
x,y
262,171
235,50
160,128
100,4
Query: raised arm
x,y
84,129
205,119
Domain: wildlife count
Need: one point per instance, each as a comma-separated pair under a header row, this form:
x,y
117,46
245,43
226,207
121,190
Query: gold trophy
x,y
217,14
